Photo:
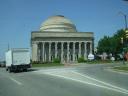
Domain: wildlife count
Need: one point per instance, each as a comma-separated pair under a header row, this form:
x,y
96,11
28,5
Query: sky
x,y
18,18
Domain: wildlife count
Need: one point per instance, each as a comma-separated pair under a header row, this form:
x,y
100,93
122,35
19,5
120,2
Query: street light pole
x,y
125,19
126,32
122,42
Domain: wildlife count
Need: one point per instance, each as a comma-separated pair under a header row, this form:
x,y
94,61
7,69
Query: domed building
x,y
59,38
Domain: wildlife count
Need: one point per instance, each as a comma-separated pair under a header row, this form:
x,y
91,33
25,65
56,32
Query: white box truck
x,y
17,59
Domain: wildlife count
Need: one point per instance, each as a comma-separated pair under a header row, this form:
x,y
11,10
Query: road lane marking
x,y
114,88
86,76
17,82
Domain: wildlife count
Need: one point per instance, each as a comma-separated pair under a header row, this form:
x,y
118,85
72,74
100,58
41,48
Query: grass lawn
x,y
124,68
47,65
87,62
100,62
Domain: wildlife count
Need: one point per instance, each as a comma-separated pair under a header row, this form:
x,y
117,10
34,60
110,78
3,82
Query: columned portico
x,y
71,52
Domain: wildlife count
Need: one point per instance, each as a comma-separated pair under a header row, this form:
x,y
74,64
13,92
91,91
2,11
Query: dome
x,y
58,23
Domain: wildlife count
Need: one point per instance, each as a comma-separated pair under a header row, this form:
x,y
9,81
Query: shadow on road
x,y
25,71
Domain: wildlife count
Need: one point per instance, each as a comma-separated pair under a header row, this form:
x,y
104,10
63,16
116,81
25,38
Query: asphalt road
x,y
88,80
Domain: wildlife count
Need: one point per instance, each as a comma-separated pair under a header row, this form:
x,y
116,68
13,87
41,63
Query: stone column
x,y
34,51
79,54
90,47
62,53
38,52
43,44
56,49
85,51
68,51
49,52
73,51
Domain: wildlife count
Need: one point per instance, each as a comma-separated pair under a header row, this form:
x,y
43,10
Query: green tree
x,y
112,44
104,45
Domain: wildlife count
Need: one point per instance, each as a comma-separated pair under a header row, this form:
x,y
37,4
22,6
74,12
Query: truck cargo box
x,y
17,59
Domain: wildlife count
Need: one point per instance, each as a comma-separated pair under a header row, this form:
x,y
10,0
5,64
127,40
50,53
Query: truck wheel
x,y
6,69
25,70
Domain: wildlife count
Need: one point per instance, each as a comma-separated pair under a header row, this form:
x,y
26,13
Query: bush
x,y
81,59
35,62
56,60
38,62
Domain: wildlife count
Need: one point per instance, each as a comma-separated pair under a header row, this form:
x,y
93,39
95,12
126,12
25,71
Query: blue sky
x,y
19,17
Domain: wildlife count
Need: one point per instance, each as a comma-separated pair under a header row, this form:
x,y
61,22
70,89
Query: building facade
x,y
58,38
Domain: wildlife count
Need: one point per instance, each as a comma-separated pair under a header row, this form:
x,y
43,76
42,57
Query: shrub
x,y
56,60
36,62
81,59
